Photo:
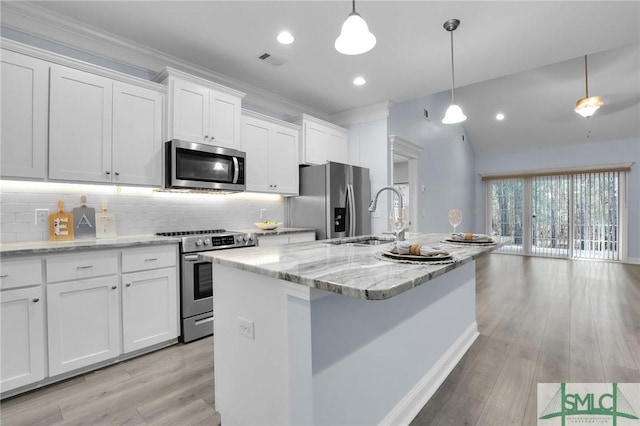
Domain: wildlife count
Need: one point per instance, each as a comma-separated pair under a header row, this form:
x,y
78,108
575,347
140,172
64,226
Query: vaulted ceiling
x,y
524,59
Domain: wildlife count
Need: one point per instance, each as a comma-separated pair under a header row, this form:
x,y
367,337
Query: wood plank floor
x,y
540,320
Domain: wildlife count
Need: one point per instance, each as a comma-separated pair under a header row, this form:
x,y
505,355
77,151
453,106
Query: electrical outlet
x,y
42,216
262,212
245,328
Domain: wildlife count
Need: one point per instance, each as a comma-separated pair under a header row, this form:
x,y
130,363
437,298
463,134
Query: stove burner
x,y
181,233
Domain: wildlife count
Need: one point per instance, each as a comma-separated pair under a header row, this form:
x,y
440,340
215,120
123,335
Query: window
x,y
576,215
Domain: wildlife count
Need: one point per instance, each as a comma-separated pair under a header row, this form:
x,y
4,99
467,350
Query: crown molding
x,y
377,111
52,27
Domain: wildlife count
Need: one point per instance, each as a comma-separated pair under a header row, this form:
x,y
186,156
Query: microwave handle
x,y
236,170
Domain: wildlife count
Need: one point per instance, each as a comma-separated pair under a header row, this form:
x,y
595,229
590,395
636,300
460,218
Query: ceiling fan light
x,y
454,115
586,107
355,37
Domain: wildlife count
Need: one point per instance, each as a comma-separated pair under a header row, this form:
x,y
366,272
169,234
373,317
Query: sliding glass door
x,y
575,215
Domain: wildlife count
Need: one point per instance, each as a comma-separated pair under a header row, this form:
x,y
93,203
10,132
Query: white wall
x,y
139,211
401,172
446,164
368,148
571,156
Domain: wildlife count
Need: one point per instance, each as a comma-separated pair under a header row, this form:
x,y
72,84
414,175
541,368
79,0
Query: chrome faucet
x,y
374,204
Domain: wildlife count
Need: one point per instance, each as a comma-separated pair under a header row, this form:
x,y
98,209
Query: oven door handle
x,y
236,170
191,257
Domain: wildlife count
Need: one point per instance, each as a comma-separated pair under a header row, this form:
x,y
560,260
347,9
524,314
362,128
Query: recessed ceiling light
x,y
499,116
359,81
285,37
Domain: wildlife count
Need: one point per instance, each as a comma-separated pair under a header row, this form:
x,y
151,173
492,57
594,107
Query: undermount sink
x,y
363,242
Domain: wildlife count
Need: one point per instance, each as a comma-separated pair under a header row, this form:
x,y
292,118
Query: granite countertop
x,y
351,270
44,247
277,231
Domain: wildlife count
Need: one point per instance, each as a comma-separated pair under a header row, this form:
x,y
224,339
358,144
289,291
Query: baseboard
x,y
634,260
411,404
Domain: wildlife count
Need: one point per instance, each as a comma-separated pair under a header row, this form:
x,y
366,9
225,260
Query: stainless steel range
x,y
196,277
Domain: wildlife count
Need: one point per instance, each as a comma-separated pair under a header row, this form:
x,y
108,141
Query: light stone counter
x,y
350,270
43,247
277,231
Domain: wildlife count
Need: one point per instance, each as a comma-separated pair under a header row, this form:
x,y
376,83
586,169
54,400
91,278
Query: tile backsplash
x,y
139,211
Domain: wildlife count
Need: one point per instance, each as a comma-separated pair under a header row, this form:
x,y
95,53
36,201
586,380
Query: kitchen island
x,y
329,333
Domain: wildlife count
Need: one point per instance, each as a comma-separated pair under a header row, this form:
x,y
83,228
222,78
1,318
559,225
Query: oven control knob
x,y
240,238
198,243
207,241
251,238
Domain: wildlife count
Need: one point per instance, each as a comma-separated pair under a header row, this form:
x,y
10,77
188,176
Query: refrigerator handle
x,y
351,201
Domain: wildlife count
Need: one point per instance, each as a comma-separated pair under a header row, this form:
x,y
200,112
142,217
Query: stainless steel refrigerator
x,y
334,199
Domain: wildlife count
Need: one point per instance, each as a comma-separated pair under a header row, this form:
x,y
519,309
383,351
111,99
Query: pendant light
x,y
587,106
355,37
454,113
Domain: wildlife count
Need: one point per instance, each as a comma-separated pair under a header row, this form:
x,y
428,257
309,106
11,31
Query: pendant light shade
x,y
587,106
355,37
454,113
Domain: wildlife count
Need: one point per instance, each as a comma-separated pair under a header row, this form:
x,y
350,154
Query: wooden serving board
x,y
60,224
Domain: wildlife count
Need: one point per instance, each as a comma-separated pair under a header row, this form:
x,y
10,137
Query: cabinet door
x,y
22,347
137,135
83,323
190,112
255,142
316,139
80,126
224,120
337,149
149,308
283,161
25,109
272,240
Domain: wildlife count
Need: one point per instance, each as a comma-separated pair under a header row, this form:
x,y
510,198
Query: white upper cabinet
x,y
322,141
103,130
25,102
137,135
80,126
202,111
272,154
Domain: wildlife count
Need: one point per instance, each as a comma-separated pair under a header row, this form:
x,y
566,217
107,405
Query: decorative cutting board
x,y
84,220
105,223
60,224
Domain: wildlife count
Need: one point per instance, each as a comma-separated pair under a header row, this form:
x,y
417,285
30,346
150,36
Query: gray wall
x,y
446,165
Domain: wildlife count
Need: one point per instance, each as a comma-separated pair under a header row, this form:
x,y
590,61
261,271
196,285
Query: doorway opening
x,y
403,158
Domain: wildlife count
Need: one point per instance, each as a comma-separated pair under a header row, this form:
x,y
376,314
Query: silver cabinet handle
x,y
84,267
151,259
4,276
35,300
128,284
117,173
206,136
115,287
107,173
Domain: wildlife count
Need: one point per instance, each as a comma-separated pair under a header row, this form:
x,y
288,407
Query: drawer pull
x,y
128,284
115,287
35,300
151,259
84,267
4,276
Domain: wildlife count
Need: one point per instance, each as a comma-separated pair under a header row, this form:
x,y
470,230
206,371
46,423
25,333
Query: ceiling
x,y
522,58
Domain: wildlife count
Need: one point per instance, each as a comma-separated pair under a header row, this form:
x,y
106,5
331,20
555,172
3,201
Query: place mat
x,y
413,259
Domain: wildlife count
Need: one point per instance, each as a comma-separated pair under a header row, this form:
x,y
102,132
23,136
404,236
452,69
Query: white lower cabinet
x,y
277,240
149,308
22,351
83,322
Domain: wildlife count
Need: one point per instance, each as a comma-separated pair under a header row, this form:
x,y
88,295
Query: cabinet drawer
x,y
70,267
152,257
20,273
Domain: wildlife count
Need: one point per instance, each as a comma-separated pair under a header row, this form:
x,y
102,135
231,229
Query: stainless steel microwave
x,y
198,166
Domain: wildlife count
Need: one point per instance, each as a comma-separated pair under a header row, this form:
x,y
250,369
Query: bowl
x,y
268,226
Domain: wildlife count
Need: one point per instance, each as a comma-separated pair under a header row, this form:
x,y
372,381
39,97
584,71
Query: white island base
x,y
288,354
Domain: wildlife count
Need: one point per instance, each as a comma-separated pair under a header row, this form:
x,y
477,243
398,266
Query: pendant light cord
x,y
354,6
586,78
452,72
